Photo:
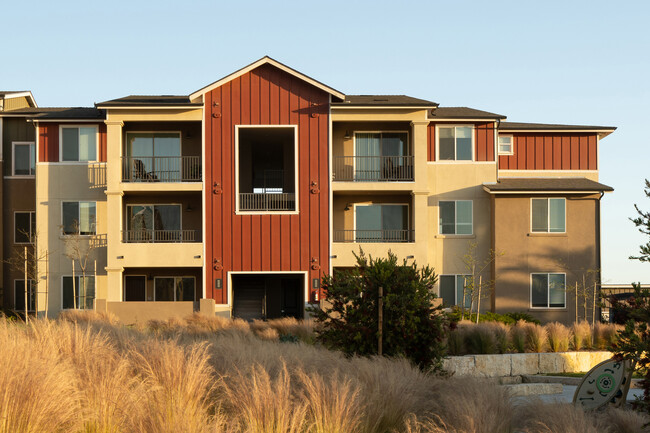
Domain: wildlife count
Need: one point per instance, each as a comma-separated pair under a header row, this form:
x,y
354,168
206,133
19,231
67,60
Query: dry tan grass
x,y
581,332
86,374
559,337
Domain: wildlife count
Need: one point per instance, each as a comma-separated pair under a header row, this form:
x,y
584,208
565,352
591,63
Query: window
x,y
548,215
455,217
81,295
24,159
79,217
19,295
505,144
382,223
381,156
455,143
24,227
78,143
154,223
173,289
155,156
135,288
451,290
266,169
548,290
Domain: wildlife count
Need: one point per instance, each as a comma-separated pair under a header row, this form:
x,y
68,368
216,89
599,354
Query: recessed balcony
x,y
374,236
373,168
159,236
161,169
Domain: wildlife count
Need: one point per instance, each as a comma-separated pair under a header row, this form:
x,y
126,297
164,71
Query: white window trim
x,y
78,218
16,297
13,159
455,161
124,287
548,294
174,277
77,288
455,285
456,219
548,215
32,230
62,127
512,144
296,159
354,217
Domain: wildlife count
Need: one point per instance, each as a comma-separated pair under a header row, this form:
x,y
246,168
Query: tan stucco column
x,y
420,191
114,195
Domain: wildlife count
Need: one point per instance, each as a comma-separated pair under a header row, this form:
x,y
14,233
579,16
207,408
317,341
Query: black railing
x,y
158,236
373,168
161,169
267,201
374,236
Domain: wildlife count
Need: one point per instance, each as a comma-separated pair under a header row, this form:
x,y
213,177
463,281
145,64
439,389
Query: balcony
x,y
373,168
374,236
161,169
267,202
158,236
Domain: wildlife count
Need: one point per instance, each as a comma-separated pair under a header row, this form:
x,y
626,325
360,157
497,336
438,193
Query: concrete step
x,y
527,389
573,381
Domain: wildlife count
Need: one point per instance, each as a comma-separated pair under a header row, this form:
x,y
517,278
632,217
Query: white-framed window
x,y
175,288
455,142
548,215
451,288
266,168
154,223
23,161
506,144
79,217
19,295
78,143
548,290
24,227
456,217
80,295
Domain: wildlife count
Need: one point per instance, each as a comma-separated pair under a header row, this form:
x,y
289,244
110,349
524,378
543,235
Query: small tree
x,y
412,326
80,249
476,287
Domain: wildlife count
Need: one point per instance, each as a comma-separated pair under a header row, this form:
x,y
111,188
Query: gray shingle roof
x,y
58,113
575,184
149,100
384,100
463,113
550,127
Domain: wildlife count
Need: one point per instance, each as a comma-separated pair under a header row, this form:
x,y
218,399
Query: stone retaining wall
x,y
517,364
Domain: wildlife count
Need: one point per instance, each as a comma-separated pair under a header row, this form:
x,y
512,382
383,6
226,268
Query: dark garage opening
x,y
268,296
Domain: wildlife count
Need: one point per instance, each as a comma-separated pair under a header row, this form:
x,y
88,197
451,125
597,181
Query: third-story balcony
x,y
374,236
161,169
373,168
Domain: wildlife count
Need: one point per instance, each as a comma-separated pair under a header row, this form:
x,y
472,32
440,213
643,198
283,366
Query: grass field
x,y
86,373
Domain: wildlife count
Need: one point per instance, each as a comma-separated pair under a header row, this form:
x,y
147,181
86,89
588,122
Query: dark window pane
x,y
448,289
22,228
556,290
447,217
164,289
539,294
557,213
540,214
185,289
19,295
70,217
464,143
68,290
22,160
462,283
135,288
70,145
447,144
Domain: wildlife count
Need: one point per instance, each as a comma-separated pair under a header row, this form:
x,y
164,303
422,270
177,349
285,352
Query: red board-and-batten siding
x,y
266,242
483,140
546,151
48,141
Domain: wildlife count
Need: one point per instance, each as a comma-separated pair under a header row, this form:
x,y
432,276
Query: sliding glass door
x,y
380,155
382,223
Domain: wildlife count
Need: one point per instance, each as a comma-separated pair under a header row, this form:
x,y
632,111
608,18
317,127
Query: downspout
x,y
598,249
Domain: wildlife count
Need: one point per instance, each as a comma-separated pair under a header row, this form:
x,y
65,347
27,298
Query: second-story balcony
x,y
267,201
159,236
373,168
161,169
374,236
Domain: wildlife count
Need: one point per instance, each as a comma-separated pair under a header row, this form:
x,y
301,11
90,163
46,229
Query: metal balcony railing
x,y
373,168
161,168
374,236
267,201
158,236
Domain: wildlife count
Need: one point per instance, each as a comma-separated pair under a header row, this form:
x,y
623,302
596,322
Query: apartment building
x,y
238,198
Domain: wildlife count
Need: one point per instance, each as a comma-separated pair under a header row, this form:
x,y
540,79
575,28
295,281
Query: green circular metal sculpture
x,y
606,383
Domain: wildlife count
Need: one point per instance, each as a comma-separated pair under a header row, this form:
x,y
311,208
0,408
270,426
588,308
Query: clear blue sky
x,y
583,62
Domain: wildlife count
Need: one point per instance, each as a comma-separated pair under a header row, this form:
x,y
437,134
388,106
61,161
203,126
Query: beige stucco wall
x,y
573,252
55,183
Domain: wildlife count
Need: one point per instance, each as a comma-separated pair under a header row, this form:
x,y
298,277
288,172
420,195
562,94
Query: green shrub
x,y
412,327
521,316
518,338
480,340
